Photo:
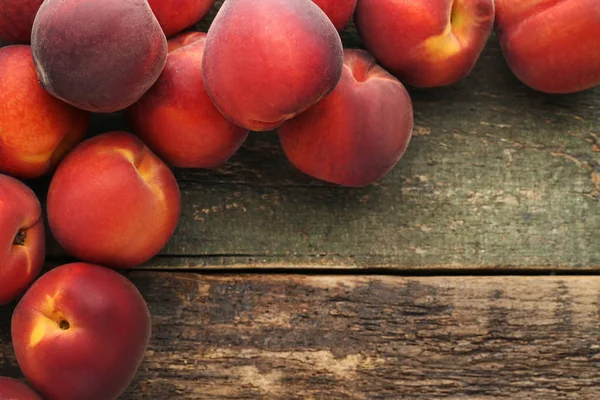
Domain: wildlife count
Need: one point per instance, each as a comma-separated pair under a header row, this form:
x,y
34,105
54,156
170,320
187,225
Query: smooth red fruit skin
x,y
551,46
358,133
176,15
98,355
36,129
340,12
14,389
425,43
113,202
100,56
16,20
266,61
178,120
20,265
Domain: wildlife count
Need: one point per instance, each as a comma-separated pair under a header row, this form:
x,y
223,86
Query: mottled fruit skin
x,y
551,46
263,67
426,43
178,120
22,238
113,202
16,20
14,389
100,56
176,15
36,129
340,12
80,332
358,133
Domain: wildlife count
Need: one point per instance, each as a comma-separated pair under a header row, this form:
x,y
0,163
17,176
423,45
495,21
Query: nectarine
x,y
80,332
16,20
426,43
266,61
356,134
551,46
22,238
113,202
178,120
36,129
99,56
14,389
176,15
340,12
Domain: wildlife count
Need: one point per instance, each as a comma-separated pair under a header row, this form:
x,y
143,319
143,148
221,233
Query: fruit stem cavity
x,y
20,238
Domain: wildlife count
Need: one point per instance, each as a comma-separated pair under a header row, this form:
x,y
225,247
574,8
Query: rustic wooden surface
x,y
497,176
331,337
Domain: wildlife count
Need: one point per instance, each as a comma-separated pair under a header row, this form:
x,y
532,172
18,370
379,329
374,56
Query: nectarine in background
x,y
178,120
356,134
425,43
16,20
99,56
14,389
551,46
80,332
176,15
340,12
113,202
266,61
36,129
22,238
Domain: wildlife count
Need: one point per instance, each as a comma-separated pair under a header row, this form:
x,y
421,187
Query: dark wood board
x,y
335,337
497,177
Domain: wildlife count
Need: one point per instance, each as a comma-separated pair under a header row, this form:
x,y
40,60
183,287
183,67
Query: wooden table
x,y
467,273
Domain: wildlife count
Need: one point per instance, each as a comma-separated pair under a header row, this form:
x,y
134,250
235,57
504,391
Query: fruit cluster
x,y
342,115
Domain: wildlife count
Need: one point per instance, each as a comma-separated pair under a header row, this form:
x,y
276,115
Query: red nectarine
x,y
80,332
113,202
426,43
22,238
551,46
266,61
178,120
36,129
356,134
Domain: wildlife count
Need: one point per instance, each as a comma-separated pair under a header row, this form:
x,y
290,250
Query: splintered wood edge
x,y
359,337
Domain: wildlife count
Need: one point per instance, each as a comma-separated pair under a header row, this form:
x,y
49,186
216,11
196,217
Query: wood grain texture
x,y
328,337
497,176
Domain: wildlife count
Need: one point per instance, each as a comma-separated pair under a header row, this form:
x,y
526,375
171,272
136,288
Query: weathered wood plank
x,y
327,337
497,176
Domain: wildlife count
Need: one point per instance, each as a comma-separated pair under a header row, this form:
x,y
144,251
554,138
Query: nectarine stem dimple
x,y
64,325
20,238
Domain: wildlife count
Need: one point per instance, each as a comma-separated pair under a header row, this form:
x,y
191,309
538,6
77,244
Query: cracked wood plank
x,y
354,337
497,176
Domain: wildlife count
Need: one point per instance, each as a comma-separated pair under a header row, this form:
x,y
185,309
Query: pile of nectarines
x,y
342,115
